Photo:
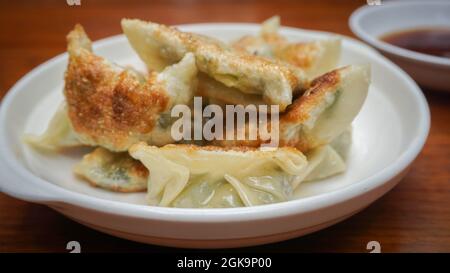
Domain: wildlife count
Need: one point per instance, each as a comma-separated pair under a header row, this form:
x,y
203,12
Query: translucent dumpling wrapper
x,y
327,160
58,135
323,162
246,176
119,172
342,143
314,57
202,192
159,46
322,113
188,176
114,107
113,171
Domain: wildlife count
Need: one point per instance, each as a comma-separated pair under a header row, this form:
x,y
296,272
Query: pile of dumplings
x,y
125,115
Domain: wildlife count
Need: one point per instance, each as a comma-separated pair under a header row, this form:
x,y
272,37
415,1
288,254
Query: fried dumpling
x,y
59,133
113,171
202,192
327,109
113,107
246,176
265,42
160,46
323,112
315,58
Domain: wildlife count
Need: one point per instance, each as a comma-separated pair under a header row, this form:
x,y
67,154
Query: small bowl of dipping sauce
x,y
413,34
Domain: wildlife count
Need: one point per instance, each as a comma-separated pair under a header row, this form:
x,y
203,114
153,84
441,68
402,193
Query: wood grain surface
x,y
413,217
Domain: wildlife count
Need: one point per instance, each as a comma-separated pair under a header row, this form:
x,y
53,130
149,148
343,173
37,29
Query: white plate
x,y
388,134
371,22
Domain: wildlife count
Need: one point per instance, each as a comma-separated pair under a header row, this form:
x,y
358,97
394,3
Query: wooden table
x,y
413,217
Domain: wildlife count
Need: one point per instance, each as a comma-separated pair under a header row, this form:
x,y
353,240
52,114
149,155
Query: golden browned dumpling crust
x,y
114,107
106,106
300,110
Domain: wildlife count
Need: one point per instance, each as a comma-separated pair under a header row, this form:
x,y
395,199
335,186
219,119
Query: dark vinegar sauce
x,y
432,41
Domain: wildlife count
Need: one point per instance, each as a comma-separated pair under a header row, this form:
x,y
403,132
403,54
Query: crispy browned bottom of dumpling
x,y
113,171
107,106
